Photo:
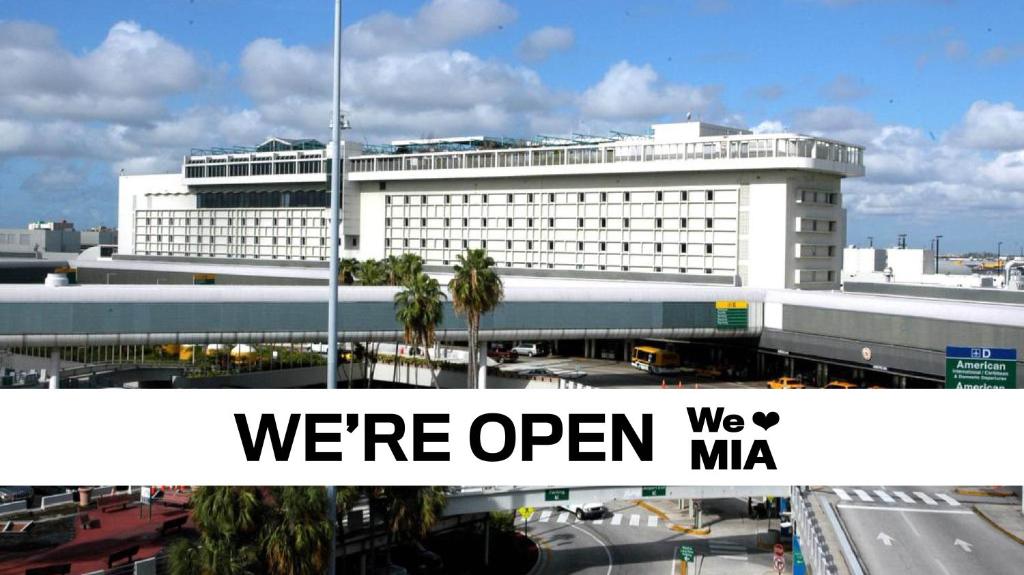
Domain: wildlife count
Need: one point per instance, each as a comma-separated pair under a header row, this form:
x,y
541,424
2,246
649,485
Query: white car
x,y
593,510
531,349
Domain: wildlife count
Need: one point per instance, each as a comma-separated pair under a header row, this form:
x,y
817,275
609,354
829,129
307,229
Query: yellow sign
x,y
526,512
730,305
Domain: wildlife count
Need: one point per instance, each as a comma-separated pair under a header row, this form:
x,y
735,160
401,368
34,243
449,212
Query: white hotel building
x,y
692,202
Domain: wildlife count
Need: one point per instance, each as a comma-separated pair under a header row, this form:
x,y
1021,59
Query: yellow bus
x,y
655,360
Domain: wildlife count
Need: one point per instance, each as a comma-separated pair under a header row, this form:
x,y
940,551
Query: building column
x,y
487,542
54,370
482,366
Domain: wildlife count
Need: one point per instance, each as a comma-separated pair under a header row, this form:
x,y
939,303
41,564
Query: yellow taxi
x,y
786,383
841,384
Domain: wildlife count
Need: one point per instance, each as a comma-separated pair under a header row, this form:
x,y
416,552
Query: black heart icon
x,y
766,420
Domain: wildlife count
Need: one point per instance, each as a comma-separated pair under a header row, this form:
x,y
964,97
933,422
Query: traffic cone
x,y
663,386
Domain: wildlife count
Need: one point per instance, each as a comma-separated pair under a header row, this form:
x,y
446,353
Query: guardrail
x,y
816,551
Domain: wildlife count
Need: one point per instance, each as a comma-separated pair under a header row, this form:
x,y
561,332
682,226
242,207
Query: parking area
x,y
612,374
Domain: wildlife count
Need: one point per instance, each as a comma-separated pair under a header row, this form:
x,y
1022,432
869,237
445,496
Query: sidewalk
x,y
1006,518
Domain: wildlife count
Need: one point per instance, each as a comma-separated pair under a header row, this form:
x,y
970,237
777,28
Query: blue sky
x,y
932,88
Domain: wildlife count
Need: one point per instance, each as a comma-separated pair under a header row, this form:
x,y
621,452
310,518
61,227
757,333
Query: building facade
x,y
691,202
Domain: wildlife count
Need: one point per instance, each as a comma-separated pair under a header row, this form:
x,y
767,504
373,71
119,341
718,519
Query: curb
x,y
542,555
672,525
992,522
982,492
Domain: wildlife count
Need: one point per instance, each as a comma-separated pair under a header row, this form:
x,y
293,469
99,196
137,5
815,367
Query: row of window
x,y
271,240
603,267
658,222
812,197
255,222
257,169
602,246
530,197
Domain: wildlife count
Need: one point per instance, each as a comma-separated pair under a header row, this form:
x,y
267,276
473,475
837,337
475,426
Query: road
x,y
922,530
632,541
610,374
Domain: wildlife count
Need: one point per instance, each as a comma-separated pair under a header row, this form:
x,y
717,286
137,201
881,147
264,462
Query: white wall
x,y
131,195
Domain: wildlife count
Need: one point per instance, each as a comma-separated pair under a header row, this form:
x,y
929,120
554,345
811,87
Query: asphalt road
x,y
639,543
920,530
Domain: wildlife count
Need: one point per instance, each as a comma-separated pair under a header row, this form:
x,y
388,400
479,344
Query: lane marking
x,y
906,498
909,524
863,495
607,551
924,497
952,502
634,520
563,517
884,496
842,494
908,509
545,516
617,519
943,567
652,521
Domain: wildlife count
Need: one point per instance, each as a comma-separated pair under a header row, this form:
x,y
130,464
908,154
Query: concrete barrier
x,y
51,500
14,506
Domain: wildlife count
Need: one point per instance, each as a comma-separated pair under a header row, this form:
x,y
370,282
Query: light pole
x,y
999,251
332,301
937,238
871,241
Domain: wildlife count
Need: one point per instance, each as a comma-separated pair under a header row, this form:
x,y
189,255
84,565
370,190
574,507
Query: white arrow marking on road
x,y
885,539
963,545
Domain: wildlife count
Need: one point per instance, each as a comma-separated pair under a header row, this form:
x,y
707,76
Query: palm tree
x,y
418,308
475,289
296,538
371,273
407,512
228,520
348,268
409,266
392,270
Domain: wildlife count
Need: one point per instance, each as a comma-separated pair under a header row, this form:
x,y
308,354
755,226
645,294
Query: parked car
x,y
538,349
786,383
593,510
502,353
12,494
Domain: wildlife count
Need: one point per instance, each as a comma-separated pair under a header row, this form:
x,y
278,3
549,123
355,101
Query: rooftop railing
x,y
774,146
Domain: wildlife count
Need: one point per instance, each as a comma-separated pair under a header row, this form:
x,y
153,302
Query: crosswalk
x,y
890,497
636,520
728,550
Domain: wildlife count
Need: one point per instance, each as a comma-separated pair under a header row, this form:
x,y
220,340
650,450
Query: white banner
x,y
511,437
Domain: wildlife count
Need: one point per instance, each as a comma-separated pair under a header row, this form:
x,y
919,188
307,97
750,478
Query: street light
x,y
332,301
999,251
937,238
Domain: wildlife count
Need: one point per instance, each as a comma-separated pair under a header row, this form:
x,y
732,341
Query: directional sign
x,y
556,495
686,553
981,368
885,539
963,545
526,512
653,491
780,564
731,314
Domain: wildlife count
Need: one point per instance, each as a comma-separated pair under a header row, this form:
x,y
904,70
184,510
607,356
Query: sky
x,y
934,89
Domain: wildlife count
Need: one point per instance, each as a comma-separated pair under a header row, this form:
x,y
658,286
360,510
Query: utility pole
x,y
332,301
999,251
937,238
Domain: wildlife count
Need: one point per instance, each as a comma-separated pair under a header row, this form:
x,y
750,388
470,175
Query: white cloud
x,y
992,126
769,127
629,92
438,23
124,79
540,44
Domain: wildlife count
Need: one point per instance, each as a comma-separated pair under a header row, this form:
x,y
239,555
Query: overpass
x,y
485,499
887,333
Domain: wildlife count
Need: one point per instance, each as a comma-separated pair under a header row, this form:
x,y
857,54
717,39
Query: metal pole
x,y
332,301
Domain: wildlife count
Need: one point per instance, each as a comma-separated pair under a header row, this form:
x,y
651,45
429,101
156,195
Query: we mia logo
x,y
729,453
